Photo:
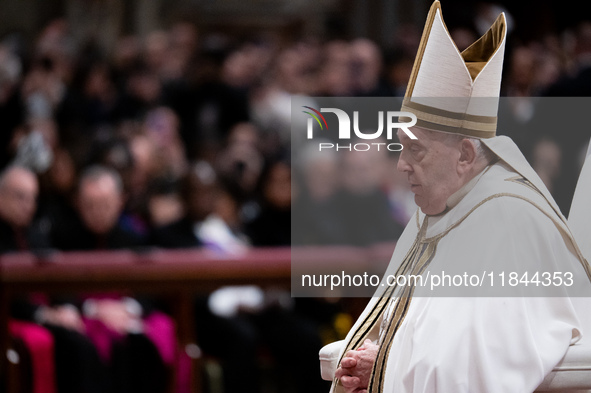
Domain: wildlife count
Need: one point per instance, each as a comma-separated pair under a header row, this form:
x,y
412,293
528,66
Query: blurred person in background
x,y
161,126
143,91
126,53
111,148
335,77
164,203
242,317
272,225
241,161
76,362
576,82
43,89
208,107
367,220
293,70
549,129
367,64
220,336
99,203
463,36
199,192
120,327
546,161
55,42
155,51
519,107
316,202
397,71
143,168
91,100
11,107
183,40
19,190
245,67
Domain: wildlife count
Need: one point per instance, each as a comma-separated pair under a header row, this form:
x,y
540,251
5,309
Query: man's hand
x,y
356,366
116,315
66,316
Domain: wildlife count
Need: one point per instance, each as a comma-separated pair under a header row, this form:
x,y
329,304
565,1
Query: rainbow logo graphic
x,y
316,117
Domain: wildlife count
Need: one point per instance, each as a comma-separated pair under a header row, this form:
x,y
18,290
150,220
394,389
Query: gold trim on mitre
x,y
451,91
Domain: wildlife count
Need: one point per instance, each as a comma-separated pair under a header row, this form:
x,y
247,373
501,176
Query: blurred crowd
x,y
177,108
181,139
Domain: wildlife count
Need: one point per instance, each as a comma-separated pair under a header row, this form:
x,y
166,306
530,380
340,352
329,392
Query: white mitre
x,y
453,91
458,92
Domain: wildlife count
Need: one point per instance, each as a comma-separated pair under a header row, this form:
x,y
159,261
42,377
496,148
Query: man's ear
x,y
467,155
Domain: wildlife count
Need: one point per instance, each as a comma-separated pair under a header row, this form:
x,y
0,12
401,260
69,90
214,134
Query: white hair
x,y
483,153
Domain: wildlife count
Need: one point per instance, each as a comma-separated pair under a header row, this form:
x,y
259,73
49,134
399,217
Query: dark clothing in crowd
x,y
345,219
179,234
207,113
578,85
135,364
318,222
74,236
271,228
35,237
366,218
11,116
243,341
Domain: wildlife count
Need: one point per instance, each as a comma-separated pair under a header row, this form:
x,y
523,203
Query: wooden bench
x,y
175,275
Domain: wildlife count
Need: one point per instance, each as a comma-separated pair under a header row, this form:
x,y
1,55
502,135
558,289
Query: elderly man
x,y
481,206
99,203
18,202
119,327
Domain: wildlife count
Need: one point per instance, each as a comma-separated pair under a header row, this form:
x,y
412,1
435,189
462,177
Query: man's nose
x,y
402,165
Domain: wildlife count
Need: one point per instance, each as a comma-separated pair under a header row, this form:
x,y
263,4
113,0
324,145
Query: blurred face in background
x,y
200,191
321,177
359,172
18,197
277,188
99,203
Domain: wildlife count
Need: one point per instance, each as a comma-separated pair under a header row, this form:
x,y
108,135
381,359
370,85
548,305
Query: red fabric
x,y
102,337
183,373
160,329
40,345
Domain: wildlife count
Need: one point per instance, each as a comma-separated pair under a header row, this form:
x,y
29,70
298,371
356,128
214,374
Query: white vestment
x,y
503,219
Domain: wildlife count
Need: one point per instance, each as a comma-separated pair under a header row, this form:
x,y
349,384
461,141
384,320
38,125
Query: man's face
x,y
99,204
431,165
18,197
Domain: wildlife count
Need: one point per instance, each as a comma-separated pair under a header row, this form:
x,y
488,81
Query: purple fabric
x,y
160,329
40,345
102,337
